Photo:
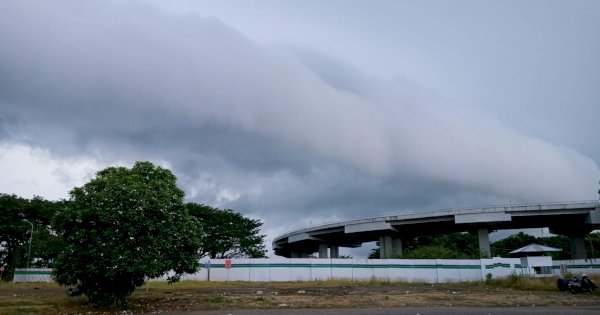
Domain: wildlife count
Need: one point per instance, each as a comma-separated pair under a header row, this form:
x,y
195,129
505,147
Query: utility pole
x,y
30,239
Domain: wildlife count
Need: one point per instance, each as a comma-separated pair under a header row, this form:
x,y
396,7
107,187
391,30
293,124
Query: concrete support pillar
x,y
385,246
388,245
397,246
578,248
484,243
323,251
334,252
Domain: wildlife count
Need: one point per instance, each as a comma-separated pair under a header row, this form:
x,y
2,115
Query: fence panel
x,y
307,269
32,275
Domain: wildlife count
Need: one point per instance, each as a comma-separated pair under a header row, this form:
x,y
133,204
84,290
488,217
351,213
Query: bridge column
x,y
323,251
578,248
484,243
385,246
334,252
397,246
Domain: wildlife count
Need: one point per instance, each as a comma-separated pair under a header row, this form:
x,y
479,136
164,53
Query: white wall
x,y
308,269
578,266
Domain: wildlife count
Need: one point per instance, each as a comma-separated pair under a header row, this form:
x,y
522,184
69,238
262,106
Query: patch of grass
x,y
347,282
35,298
521,282
29,310
12,303
49,298
19,307
377,281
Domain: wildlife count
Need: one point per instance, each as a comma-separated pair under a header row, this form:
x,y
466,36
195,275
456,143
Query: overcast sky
x,y
304,112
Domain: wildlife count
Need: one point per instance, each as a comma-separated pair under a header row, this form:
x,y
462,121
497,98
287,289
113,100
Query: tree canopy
x,y
122,227
465,246
443,246
504,246
15,232
228,234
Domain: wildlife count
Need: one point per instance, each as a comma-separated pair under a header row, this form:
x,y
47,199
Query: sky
x,y
299,113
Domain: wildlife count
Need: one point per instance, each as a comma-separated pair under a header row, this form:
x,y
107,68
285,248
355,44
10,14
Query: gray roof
x,y
535,248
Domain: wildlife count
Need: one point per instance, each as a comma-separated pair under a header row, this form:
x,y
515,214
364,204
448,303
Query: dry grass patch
x,y
157,296
35,298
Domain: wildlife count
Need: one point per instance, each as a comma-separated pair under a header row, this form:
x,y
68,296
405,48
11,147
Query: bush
x,y
435,252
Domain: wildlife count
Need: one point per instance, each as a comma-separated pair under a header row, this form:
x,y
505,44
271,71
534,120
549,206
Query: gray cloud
x,y
283,133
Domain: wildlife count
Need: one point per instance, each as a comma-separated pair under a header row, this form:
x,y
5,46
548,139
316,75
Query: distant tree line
x,y
503,247
119,229
466,246
229,234
15,232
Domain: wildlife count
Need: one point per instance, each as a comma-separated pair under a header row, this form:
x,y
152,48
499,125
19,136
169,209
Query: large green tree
x,y
122,227
228,233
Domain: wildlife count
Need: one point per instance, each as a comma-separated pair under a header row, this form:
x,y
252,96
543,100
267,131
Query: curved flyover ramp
x,y
573,219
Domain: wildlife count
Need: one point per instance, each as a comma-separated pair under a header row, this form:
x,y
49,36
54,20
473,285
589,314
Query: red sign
x,y
228,264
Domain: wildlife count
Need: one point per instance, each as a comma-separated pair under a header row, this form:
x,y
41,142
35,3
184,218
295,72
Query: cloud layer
x,y
284,134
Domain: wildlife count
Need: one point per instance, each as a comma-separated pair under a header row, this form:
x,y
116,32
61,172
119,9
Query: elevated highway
x,y
573,219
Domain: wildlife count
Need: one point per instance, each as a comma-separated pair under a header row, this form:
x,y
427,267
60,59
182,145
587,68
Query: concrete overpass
x,y
573,219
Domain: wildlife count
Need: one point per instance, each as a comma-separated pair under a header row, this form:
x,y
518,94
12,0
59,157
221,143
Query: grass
x,y
34,298
513,282
525,283
530,283
50,298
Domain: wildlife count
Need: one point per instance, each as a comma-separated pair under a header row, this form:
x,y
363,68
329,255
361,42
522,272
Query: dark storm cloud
x,y
284,134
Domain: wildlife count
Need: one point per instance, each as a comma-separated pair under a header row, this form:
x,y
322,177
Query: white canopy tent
x,y
533,259
534,250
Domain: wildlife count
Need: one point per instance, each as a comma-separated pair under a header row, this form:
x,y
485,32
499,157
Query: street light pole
x,y
30,239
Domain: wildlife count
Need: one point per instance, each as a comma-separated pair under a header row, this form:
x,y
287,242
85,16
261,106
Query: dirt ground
x,y
51,299
360,296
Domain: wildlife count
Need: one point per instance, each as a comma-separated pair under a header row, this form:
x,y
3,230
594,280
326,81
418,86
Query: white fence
x,y
32,275
309,269
579,266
